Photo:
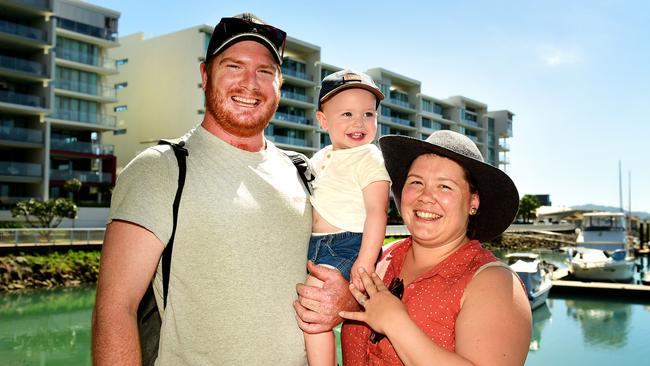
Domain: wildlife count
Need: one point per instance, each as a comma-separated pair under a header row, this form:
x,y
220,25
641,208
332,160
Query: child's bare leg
x,y
321,350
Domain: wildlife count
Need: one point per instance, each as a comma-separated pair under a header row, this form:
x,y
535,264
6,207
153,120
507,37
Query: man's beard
x,y
237,124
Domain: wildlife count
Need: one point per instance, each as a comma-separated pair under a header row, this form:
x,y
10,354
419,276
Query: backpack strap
x,y
181,153
301,163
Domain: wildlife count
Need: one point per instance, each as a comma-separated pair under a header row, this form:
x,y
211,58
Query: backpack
x,y
149,318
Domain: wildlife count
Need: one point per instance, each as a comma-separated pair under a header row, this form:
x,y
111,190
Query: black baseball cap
x,y
246,27
346,79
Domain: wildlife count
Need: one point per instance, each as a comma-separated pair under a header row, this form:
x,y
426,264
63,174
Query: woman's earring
x,y
472,211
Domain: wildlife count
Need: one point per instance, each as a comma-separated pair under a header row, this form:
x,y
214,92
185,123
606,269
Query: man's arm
x,y
130,255
318,308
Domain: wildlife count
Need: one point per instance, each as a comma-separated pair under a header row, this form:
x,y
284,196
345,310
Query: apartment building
x,y
162,97
54,98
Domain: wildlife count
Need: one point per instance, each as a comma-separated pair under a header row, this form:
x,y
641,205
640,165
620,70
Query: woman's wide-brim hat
x,y
499,199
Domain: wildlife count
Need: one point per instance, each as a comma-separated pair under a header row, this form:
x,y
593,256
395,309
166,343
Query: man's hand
x,y
318,308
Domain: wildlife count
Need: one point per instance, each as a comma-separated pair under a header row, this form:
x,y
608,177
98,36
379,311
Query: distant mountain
x,y
591,207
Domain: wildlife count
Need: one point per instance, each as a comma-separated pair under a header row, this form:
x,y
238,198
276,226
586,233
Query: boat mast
x,y
620,188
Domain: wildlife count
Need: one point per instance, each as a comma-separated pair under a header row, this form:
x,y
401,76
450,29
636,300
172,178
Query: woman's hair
x,y
471,223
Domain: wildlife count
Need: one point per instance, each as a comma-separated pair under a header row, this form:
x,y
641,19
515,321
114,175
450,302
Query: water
x,y
53,328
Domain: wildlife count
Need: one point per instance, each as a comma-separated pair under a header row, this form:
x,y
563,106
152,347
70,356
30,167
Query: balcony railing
x,y
296,96
83,176
401,103
86,29
78,116
288,140
85,88
472,123
21,64
292,118
400,121
50,237
21,134
20,98
81,147
504,145
474,138
21,30
85,58
42,4
20,169
297,74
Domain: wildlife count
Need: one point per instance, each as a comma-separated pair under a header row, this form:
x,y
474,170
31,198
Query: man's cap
x,y
246,27
346,79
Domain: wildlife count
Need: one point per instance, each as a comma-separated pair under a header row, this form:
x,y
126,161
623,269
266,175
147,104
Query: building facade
x,y
54,99
162,98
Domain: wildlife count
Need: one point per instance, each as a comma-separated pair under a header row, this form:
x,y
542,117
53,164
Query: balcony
x,y
20,98
83,176
472,123
288,140
292,118
297,74
85,88
20,64
41,4
21,134
504,145
86,59
20,169
22,30
86,29
78,116
474,138
296,96
400,121
401,103
81,147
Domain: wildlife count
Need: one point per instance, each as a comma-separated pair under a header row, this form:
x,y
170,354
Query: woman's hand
x,y
383,309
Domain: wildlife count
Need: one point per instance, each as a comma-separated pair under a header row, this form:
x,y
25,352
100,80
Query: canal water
x,y
52,327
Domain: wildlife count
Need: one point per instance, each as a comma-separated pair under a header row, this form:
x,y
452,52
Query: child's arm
x,y
375,199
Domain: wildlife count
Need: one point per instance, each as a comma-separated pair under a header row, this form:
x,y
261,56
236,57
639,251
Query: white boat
x,y
602,252
535,274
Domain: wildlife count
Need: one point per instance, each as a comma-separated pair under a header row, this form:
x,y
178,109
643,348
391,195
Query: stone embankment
x,y
526,241
51,270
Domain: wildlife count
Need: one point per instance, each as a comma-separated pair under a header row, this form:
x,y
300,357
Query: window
x,y
119,132
121,62
120,108
123,85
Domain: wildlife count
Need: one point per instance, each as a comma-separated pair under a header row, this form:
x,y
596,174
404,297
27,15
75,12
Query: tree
x,y
48,214
527,207
72,186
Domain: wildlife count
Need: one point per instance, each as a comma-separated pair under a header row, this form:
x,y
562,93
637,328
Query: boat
x,y
535,274
602,252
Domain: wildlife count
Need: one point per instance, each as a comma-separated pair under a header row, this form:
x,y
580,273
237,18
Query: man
x,y
243,227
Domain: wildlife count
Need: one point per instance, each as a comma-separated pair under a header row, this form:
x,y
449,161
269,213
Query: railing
x,y
21,169
85,58
82,147
474,138
296,96
504,145
292,118
37,3
20,134
298,74
21,30
95,118
400,121
51,237
401,103
86,88
288,140
86,29
20,98
83,176
21,64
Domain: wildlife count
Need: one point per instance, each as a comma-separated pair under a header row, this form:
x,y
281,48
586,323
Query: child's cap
x,y
345,79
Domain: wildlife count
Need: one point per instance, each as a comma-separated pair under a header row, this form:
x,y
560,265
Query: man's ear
x,y
204,75
322,120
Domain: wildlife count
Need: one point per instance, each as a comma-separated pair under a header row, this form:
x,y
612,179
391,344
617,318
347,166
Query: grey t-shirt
x,y
240,248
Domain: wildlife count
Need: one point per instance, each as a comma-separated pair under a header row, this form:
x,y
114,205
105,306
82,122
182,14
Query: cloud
x,y
554,56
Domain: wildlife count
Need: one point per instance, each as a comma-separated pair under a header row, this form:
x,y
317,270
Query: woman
x,y
459,304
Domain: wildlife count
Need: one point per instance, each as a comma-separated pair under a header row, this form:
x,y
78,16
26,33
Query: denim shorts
x,y
338,250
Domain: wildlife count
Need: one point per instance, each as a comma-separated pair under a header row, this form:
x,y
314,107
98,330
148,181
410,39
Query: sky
x,y
575,73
